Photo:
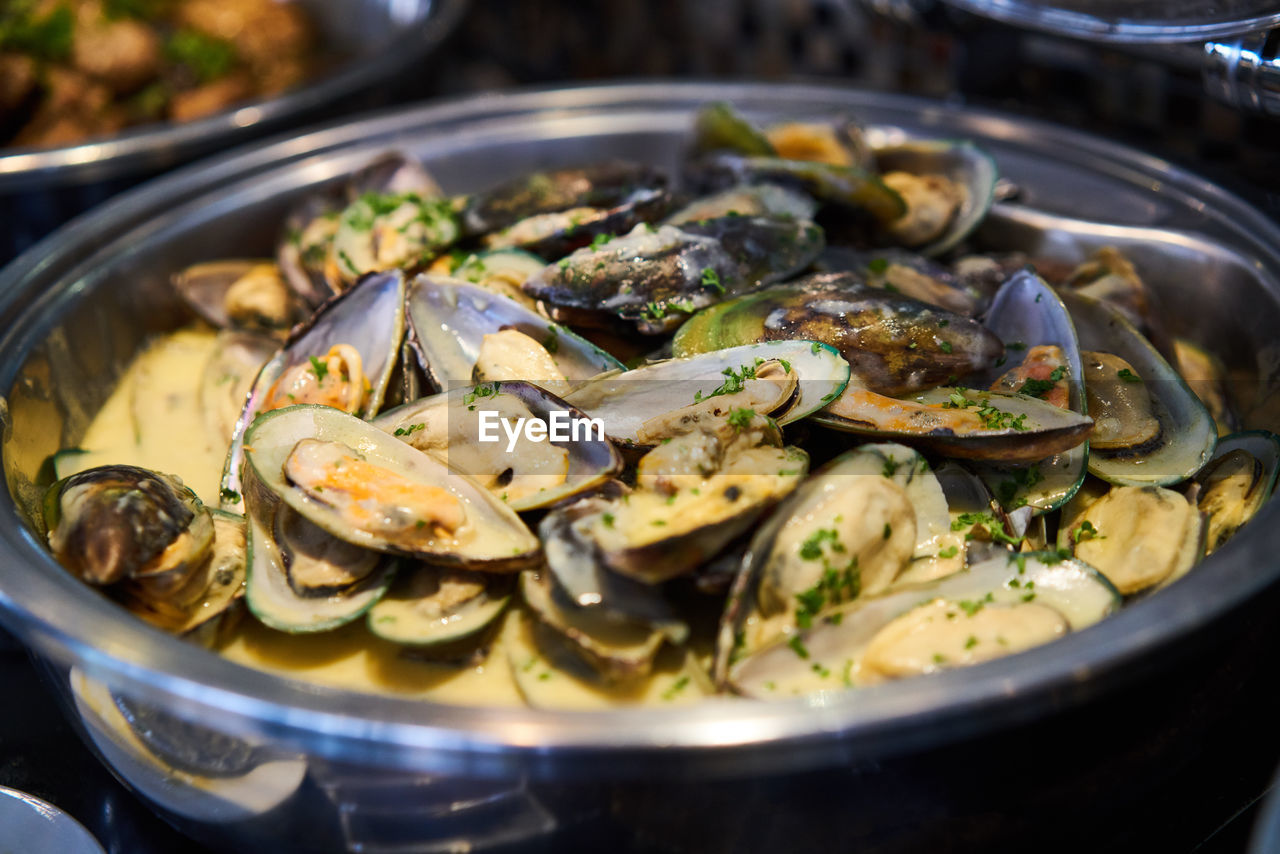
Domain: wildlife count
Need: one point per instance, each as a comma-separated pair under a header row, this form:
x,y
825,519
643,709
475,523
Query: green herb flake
x,y
409,430
207,57
711,279
674,691
319,368
1128,376
798,647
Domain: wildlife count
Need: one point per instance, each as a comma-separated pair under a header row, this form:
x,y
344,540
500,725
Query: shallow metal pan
x,y
74,309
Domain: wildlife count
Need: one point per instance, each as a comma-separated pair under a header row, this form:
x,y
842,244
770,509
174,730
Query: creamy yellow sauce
x,y
154,419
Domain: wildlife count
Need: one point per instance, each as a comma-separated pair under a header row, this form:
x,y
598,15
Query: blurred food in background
x,y
75,69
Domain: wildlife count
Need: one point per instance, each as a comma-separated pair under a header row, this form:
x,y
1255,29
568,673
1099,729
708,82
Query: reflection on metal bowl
x,y
385,773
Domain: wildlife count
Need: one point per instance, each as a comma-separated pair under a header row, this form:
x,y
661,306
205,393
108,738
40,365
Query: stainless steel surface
x,y
1131,20
1245,73
375,40
76,307
33,826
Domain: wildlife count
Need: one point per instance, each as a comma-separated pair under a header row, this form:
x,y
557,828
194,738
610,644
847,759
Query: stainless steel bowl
x,y
352,770
376,41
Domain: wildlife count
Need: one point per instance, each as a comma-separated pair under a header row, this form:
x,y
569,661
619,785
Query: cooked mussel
x,y
1235,484
368,488
240,293
116,522
866,519
1140,537
453,324
1152,430
344,356
637,406
894,344
438,607
485,432
1042,359
1004,605
655,277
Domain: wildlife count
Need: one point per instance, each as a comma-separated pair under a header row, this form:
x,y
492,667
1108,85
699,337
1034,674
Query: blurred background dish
x,y
366,48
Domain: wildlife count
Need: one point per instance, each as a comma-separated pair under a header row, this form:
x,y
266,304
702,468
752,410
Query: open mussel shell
x,y
961,620
1141,537
626,401
1207,377
525,474
1235,484
961,422
245,293
229,375
368,317
551,673
204,594
433,606
449,320
747,200
616,649
653,277
370,489
1027,313
600,186
893,344
719,127
580,579
1187,433
910,274
966,165
273,562
844,186
118,522
303,252
870,517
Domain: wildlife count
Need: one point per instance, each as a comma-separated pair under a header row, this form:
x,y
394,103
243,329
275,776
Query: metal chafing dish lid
x,y
1132,20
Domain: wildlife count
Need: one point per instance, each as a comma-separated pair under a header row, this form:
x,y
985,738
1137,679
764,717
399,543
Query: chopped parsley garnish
x,y
971,642
1085,531
1128,376
890,466
600,240
480,392
409,430
1023,478
944,346
740,419
674,691
990,523
888,530
229,495
711,279
878,266
811,548
1015,345
1039,388
607,519
822,672
815,347
207,57
798,647
552,342
49,38
735,382
320,369
949,552
992,418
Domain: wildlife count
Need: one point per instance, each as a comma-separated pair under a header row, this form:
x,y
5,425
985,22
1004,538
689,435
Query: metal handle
x,y
1245,73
